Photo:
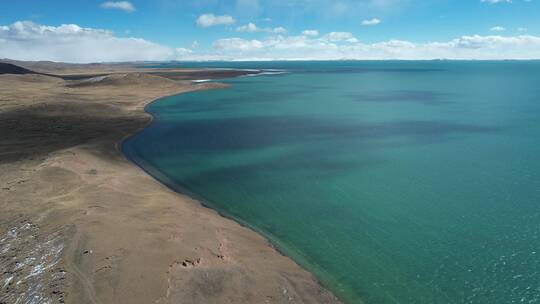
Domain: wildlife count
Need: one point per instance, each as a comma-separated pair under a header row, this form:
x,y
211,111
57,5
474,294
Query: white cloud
x,y
250,28
183,51
496,1
253,28
340,37
522,29
303,47
373,21
25,40
237,44
310,33
121,5
72,43
497,29
207,20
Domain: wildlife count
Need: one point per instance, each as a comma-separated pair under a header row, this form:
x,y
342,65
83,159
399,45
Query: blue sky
x,y
232,29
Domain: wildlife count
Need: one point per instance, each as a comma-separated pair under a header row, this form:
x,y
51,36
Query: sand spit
x,y
81,224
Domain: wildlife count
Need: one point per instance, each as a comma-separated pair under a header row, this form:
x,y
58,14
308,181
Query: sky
x,y
163,30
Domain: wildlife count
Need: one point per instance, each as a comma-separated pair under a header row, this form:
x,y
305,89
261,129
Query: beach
x,y
82,224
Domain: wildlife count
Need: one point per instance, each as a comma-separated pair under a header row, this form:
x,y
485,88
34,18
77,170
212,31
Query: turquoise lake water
x,y
393,182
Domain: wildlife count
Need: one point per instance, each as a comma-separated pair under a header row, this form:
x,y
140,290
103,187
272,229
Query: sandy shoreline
x,y
82,224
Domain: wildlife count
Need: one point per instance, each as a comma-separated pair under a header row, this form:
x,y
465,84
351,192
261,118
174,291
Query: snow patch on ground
x,y
94,79
29,265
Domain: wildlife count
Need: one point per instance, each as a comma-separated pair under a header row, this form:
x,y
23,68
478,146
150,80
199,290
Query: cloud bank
x,y
373,21
120,5
342,45
26,40
253,28
208,20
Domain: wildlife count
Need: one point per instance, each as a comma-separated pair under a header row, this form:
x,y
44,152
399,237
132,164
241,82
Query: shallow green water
x,y
394,182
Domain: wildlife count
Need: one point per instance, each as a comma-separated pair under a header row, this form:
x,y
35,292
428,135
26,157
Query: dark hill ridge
x,y
89,71
8,68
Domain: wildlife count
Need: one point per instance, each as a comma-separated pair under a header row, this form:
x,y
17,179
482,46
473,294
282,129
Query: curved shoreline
x,y
175,187
119,235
